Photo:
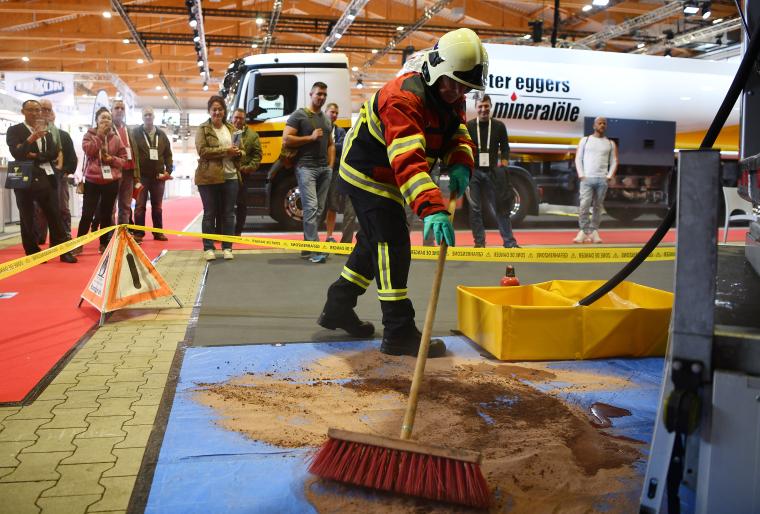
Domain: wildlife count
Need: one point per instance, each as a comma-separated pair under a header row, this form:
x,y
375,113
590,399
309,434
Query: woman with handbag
x,y
218,175
104,158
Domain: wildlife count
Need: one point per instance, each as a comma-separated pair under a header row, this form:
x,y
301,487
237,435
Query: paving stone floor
x,y
77,448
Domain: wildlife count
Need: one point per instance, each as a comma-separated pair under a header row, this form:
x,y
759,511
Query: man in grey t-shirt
x,y
309,130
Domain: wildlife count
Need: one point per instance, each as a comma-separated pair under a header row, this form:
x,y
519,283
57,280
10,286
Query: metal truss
x,y
342,25
273,19
429,13
627,26
692,36
119,8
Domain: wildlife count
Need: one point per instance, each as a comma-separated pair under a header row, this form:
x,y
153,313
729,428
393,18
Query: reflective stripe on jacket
x,y
400,134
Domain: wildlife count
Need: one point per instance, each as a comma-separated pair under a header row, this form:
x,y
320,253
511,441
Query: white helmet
x,y
459,55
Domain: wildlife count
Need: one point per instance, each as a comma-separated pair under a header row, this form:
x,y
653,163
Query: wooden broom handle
x,y
427,329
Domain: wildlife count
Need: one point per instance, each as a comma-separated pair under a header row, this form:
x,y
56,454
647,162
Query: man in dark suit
x,y
32,141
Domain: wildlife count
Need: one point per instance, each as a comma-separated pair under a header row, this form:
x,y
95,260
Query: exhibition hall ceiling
x,y
94,39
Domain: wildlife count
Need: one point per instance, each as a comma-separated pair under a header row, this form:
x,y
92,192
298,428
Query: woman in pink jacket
x,y
104,158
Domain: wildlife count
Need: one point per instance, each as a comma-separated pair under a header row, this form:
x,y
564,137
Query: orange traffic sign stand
x,y
124,276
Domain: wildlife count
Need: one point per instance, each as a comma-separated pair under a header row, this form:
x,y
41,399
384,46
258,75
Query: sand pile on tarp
x,y
540,454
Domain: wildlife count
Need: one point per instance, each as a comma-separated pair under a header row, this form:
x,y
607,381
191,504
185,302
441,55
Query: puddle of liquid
x,y
602,412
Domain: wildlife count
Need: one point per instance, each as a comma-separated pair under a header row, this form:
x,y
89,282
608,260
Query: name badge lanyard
x,y
152,151
484,156
125,144
105,169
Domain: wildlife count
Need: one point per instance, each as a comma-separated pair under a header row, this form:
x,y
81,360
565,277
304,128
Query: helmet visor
x,y
474,78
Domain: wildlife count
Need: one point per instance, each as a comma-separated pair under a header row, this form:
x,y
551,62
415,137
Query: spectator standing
x,y
130,174
337,201
490,179
65,166
153,155
250,146
309,130
596,163
104,159
32,141
217,176
410,123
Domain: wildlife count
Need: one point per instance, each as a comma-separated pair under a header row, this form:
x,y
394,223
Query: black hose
x,y
555,27
742,74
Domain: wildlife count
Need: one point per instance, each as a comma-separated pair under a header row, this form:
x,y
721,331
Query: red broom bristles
x,y
404,472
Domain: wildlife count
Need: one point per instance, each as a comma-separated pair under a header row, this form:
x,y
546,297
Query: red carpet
x,y
42,322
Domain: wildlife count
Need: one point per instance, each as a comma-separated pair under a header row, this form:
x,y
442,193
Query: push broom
x,y
401,465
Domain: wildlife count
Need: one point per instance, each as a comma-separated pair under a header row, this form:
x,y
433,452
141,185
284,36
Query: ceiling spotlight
x,y
165,97
202,73
140,61
338,35
689,8
328,49
641,45
706,11
125,41
400,28
527,36
107,15
200,63
158,88
359,84
587,8
193,22
374,50
25,58
255,45
718,20
196,37
205,87
150,75
259,21
600,3
354,68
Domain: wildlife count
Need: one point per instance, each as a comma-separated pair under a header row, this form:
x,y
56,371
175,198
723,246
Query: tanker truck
x,y
546,97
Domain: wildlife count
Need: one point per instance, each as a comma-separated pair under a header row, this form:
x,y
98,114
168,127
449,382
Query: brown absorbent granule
x,y
539,453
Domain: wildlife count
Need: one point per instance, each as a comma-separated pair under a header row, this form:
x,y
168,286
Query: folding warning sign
x,y
124,276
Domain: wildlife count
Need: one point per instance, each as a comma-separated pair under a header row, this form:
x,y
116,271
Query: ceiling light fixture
x,y
150,75
359,84
255,45
125,41
140,61
706,11
641,45
600,3
107,15
718,20
205,87
158,88
193,22
587,8
689,8
259,21
25,58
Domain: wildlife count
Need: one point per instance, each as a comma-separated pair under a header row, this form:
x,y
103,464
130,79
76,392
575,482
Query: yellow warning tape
x,y
10,268
544,254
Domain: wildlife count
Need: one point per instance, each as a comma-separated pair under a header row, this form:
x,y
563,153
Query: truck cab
x,y
270,87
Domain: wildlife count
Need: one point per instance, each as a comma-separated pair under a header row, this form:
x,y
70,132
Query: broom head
x,y
402,466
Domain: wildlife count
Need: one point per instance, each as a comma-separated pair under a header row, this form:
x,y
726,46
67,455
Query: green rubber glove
x,y
459,179
441,226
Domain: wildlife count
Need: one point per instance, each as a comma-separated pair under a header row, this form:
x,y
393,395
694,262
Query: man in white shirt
x,y
596,163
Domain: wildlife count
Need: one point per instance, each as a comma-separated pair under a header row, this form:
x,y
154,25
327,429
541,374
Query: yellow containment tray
x,y
543,321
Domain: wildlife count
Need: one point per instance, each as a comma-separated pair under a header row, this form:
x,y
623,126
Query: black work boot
x,y
409,344
349,322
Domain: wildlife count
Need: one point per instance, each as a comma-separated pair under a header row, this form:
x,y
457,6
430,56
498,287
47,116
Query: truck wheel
x,y
521,207
622,214
286,204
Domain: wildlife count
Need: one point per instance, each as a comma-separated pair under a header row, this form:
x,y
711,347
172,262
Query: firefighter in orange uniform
x,y
402,131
